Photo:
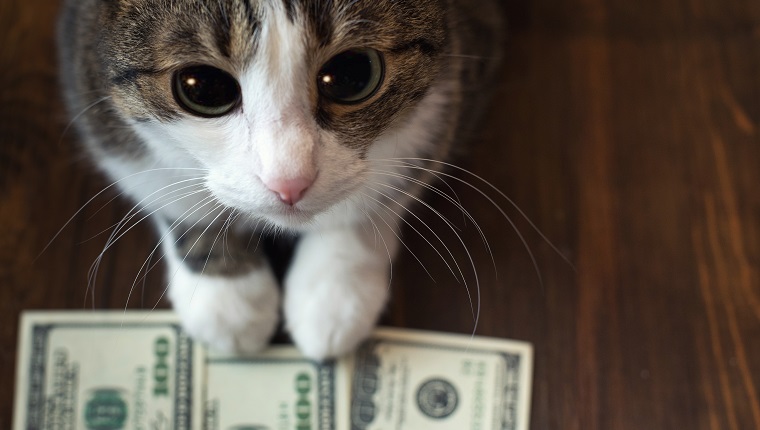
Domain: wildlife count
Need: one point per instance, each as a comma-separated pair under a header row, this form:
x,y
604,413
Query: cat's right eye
x,y
206,91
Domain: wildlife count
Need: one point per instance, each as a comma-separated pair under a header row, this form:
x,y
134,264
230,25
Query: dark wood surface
x,y
627,131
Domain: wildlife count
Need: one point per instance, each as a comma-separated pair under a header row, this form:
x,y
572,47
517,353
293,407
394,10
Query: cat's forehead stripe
x,y
249,12
290,8
318,15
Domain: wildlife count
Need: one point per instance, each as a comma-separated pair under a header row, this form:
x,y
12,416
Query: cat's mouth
x,y
315,208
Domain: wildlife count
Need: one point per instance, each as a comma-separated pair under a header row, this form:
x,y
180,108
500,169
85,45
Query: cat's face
x,y
284,102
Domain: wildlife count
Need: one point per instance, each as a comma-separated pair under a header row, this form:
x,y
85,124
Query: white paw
x,y
229,314
333,299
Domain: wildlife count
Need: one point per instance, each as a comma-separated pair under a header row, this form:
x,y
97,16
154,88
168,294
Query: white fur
x,y
336,288
230,314
338,282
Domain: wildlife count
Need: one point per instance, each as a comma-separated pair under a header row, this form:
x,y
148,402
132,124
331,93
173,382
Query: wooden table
x,y
629,133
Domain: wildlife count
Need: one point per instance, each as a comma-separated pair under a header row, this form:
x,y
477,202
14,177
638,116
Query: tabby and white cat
x,y
221,118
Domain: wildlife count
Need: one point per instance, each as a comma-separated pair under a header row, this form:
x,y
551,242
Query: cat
x,y
223,119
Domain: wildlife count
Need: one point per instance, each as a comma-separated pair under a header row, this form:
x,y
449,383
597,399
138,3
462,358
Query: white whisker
x,y
496,205
108,187
504,196
92,275
476,314
117,234
397,235
377,233
129,216
114,238
147,265
456,203
166,289
122,192
79,115
400,216
208,257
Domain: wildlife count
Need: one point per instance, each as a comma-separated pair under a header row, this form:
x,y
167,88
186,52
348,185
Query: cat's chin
x,y
290,219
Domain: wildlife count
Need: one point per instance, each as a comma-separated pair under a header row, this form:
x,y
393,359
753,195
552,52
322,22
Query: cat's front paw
x,y
229,314
331,308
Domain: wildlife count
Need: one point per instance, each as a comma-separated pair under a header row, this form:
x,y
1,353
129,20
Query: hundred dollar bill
x,y
277,390
107,371
407,380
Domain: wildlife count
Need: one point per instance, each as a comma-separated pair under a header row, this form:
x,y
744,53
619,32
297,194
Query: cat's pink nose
x,y
290,191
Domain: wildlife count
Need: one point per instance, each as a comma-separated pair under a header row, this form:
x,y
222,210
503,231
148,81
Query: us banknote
x,y
278,389
109,371
409,380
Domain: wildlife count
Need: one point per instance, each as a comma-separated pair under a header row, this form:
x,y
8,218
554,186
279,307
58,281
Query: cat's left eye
x,y
352,76
206,91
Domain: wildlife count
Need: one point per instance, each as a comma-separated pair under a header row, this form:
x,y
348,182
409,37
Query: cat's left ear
x,y
111,5
118,3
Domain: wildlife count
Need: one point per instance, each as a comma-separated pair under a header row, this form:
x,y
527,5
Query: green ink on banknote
x,y
161,369
106,410
303,404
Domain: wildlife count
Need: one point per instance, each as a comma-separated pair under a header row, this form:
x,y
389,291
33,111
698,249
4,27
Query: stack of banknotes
x,y
114,370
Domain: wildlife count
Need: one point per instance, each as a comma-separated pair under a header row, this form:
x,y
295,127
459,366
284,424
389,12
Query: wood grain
x,y
626,131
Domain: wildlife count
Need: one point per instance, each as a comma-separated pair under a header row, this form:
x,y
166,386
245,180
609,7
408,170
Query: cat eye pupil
x,y
206,91
352,76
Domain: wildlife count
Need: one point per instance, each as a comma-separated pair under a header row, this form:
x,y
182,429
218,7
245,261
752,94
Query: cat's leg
x,y
224,293
337,286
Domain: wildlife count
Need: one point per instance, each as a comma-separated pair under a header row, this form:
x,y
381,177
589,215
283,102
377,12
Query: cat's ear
x,y
118,3
110,4
119,6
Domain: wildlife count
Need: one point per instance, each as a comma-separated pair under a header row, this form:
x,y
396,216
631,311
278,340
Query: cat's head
x,y
284,102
